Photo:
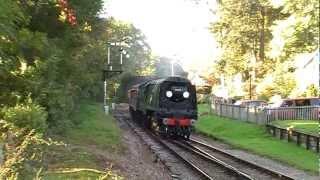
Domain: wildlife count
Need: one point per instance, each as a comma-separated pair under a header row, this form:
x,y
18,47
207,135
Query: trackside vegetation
x,y
80,156
254,138
51,57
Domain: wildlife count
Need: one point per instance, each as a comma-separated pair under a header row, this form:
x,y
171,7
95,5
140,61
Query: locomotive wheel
x,y
154,125
139,117
186,133
132,114
146,121
163,131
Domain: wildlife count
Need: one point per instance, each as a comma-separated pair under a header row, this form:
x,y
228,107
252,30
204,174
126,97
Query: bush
x,y
203,98
23,152
29,116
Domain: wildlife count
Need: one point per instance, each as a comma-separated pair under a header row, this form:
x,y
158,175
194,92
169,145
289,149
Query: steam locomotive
x,y
168,105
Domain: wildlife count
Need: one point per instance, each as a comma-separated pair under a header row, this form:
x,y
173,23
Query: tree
x,y
243,32
302,30
312,91
137,57
247,32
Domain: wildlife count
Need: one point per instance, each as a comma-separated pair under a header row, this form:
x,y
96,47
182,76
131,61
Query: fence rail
x,y
266,115
309,141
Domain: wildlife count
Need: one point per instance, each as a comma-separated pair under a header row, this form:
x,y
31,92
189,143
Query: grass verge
x,y
254,138
305,126
82,156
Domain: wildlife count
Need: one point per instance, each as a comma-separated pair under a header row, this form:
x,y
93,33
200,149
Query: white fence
x,y
266,115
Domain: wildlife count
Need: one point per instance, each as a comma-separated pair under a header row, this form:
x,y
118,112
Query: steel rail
x,y
186,161
203,174
206,156
254,165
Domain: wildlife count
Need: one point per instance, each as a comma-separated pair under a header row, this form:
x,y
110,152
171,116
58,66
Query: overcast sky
x,y
174,28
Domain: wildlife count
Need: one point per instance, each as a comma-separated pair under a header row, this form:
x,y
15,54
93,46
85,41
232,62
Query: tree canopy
x,y
258,37
52,53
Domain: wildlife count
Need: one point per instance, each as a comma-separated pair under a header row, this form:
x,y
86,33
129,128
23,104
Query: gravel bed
x,y
262,161
138,162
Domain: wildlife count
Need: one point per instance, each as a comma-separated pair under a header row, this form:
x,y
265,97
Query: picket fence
x,y
265,115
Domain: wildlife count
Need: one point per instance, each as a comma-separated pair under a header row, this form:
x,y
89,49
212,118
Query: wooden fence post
x,y
308,142
266,116
317,146
216,108
247,114
274,131
289,135
255,114
298,139
232,111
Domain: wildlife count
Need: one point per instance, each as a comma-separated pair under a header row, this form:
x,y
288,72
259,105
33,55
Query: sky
x,y
174,28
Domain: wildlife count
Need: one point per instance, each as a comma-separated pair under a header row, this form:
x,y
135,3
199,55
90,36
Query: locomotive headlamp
x,y
169,94
186,94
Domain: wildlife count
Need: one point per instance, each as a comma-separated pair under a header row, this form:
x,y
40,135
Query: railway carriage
x,y
167,105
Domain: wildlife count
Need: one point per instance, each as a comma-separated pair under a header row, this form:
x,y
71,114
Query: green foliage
x,y
125,84
258,36
303,35
29,116
137,57
58,64
55,64
87,141
283,81
23,151
203,98
312,91
243,32
94,128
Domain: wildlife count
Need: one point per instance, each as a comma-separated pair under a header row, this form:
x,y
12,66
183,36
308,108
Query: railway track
x,y
256,171
142,134
204,166
209,162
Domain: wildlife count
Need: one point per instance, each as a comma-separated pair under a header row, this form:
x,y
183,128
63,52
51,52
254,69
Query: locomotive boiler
x,y
167,105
